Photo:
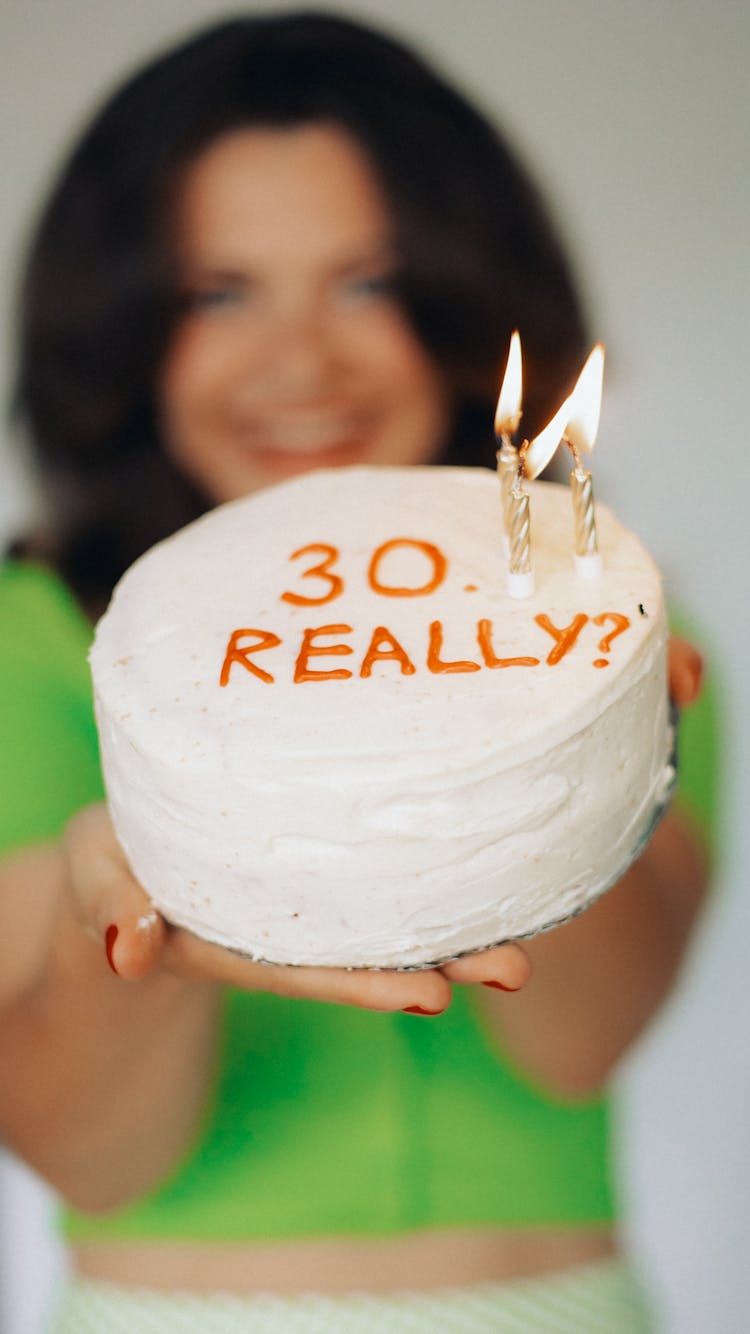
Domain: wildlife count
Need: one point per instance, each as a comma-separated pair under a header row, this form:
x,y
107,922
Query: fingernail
x,y
696,671
499,986
692,674
148,923
417,1009
109,945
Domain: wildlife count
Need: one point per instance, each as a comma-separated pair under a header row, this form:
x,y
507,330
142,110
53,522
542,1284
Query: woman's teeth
x,y
305,437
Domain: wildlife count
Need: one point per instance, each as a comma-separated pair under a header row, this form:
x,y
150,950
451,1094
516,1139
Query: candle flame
x,y
576,420
537,453
585,404
508,412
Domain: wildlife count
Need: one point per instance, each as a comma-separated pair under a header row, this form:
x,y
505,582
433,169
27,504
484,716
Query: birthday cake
x,y
329,736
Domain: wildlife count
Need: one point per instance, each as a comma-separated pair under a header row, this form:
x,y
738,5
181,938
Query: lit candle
x,y
537,453
576,422
507,417
580,436
520,572
584,519
534,456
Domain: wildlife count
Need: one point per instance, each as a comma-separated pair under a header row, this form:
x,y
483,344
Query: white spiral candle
x,y
583,512
520,573
587,559
507,470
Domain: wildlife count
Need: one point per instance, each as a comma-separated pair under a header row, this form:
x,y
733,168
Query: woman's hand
x,y
684,672
111,904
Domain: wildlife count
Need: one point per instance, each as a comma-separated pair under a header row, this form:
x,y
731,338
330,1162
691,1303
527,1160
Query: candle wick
x,y
579,468
504,436
517,487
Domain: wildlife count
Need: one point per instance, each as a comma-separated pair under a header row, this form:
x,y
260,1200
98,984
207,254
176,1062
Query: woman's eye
x,y
376,285
218,297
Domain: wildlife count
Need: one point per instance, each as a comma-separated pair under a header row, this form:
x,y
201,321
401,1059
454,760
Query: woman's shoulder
x,y
40,619
48,743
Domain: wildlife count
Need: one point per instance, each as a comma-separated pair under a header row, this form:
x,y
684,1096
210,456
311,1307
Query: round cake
x,y
330,736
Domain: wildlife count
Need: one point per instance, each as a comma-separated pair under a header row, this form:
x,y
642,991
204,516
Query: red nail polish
x,y
696,675
500,986
109,945
417,1009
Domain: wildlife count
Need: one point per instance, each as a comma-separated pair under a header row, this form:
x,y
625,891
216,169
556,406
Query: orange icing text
x,y
328,641
333,584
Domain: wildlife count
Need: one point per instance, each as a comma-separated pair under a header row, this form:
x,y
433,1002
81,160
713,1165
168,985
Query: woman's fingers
x,y
426,992
113,906
685,671
108,900
506,967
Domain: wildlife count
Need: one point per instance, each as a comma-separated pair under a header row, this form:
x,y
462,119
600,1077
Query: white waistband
x,y
599,1298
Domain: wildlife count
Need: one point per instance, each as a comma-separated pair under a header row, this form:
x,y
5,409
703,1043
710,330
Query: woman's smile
x,y
284,443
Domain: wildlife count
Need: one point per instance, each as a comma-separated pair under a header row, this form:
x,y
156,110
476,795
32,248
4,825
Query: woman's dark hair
x,y
478,258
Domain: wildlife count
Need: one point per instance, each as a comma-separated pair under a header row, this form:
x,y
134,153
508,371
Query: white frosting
x,y
389,820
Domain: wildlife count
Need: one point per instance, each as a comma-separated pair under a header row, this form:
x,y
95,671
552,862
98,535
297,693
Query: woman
x,y
284,245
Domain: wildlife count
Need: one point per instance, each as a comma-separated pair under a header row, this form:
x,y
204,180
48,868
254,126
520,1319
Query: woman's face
x,y
294,353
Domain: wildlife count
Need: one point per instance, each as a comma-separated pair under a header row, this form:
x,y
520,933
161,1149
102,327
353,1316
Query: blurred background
x,y
635,118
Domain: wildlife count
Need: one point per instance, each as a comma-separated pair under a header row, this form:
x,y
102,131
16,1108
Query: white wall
x,y
637,118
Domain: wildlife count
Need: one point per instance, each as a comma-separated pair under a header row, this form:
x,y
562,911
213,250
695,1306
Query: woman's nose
x,y
300,352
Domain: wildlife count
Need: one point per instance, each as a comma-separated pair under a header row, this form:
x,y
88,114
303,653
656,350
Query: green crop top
x,y
325,1120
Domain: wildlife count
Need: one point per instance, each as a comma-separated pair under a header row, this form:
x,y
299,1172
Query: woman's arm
x,y
598,980
108,1065
103,1084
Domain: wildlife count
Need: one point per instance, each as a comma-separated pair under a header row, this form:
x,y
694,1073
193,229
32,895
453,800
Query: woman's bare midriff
x,y
419,1261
